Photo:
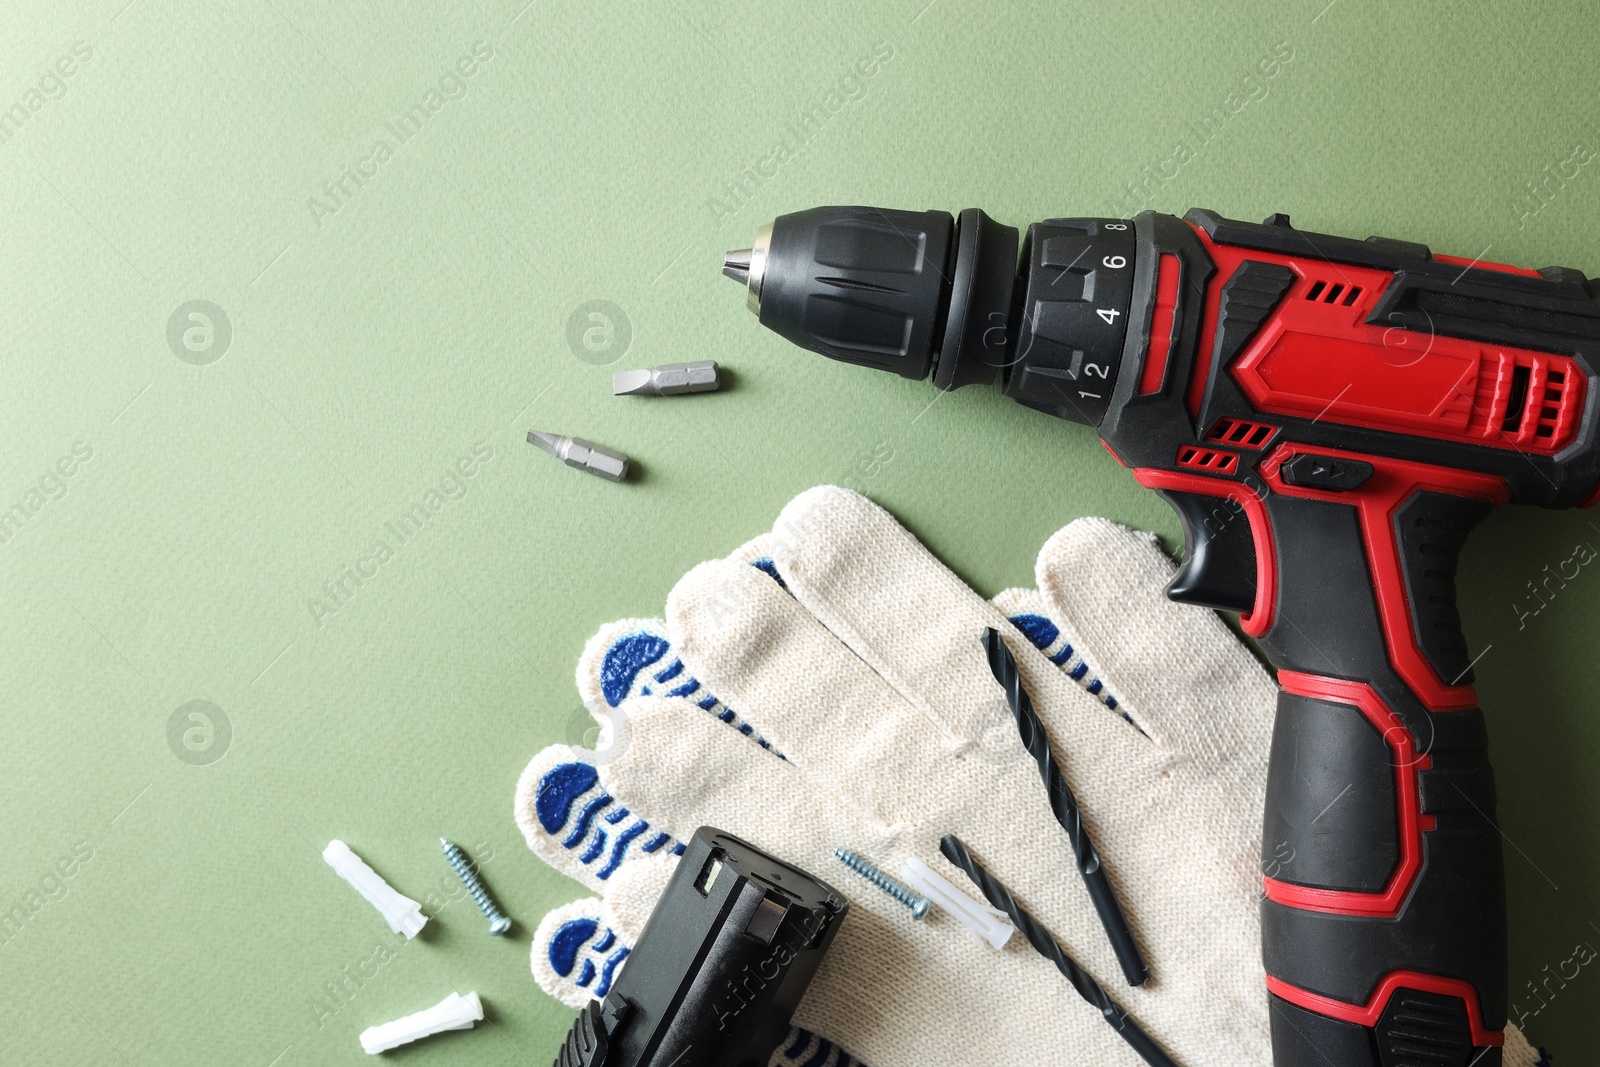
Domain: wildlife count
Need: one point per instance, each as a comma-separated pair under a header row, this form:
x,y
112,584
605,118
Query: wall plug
x,y
988,925
455,1012
403,914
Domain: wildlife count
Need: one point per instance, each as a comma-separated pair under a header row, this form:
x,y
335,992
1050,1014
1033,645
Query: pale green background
x,y
430,313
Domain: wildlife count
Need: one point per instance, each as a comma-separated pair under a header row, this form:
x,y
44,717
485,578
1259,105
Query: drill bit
x,y
584,455
1046,945
1065,807
669,379
748,267
736,265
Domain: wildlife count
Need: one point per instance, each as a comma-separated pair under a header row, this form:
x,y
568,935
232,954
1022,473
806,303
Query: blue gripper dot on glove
x,y
803,1048
600,832
1046,637
591,949
642,663
769,568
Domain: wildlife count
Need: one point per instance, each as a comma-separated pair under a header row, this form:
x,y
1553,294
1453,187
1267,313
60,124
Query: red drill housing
x,y
1330,418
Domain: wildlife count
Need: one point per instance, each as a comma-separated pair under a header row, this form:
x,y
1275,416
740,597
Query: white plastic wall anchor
x,y
989,925
455,1012
403,914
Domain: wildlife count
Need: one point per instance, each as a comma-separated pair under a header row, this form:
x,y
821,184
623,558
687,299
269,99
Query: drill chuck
x,y
858,284
923,293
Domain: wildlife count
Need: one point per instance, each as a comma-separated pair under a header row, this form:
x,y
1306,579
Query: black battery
x,y
721,965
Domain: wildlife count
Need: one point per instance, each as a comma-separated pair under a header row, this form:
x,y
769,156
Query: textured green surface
x,y
599,153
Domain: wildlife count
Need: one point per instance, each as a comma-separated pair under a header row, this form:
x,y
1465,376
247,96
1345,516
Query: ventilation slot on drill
x,y
1517,400
1241,432
1209,460
1550,405
1527,400
1322,292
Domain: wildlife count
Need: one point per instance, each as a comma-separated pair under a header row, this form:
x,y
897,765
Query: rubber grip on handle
x,y
1384,911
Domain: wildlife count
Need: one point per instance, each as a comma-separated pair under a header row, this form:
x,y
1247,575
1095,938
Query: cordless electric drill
x,y
1330,418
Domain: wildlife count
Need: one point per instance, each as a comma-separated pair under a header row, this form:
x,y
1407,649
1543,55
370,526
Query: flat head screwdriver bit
x,y
584,455
669,379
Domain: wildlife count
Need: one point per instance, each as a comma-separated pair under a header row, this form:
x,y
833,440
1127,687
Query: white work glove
x,y
871,682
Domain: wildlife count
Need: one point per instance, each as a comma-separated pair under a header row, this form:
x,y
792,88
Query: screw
x,y
498,923
919,905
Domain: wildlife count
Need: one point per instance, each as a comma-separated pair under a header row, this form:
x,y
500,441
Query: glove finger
x,y
875,588
577,950
1179,672
829,713
691,772
576,825
878,590
1027,611
635,657
781,643
1518,1052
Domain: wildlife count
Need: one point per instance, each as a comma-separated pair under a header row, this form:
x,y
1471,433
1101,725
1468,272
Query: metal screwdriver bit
x,y
584,455
669,379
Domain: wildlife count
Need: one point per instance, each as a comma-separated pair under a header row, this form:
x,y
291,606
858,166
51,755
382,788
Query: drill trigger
x,y
1219,561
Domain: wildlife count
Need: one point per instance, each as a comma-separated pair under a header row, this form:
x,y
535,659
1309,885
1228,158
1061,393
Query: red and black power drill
x,y
1329,417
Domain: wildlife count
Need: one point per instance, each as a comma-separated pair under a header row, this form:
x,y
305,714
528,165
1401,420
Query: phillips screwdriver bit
x,y
669,379
584,455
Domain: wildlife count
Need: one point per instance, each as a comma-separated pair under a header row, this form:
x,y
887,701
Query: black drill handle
x,y
1384,905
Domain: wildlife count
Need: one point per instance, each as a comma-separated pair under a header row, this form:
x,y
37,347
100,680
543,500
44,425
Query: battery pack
x,y
720,967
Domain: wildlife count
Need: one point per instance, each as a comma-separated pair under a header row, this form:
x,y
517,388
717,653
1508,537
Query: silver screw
x,y
498,923
919,905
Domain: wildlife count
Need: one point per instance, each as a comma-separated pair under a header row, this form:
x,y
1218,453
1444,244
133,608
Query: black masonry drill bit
x,y
1047,946
1065,807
